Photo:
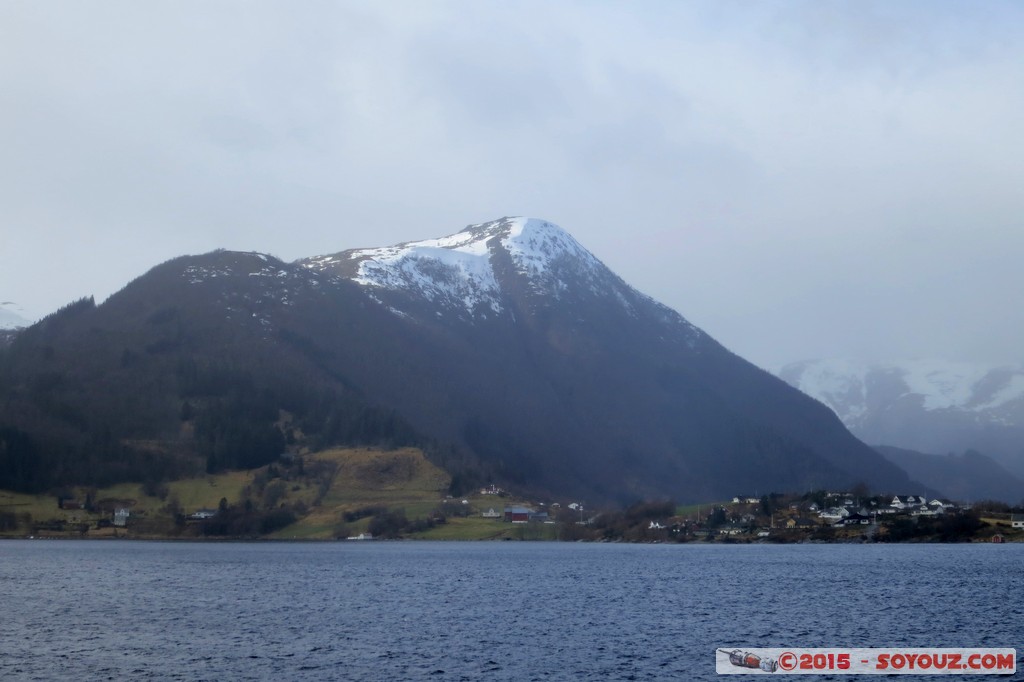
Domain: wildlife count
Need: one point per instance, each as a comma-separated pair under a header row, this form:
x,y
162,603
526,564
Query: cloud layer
x,y
799,179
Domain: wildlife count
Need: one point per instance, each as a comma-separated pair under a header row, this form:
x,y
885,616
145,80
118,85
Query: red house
x,y
517,514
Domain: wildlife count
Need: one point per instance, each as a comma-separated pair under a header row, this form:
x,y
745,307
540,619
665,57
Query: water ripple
x,y
470,611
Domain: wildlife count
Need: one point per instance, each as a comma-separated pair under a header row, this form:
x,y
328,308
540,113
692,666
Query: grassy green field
x,y
1000,526
397,479
40,507
469,528
191,494
353,479
207,491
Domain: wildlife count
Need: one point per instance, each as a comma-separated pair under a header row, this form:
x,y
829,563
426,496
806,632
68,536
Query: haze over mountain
x,y
10,319
928,406
507,350
966,477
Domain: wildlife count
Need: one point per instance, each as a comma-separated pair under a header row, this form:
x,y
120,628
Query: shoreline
x,y
702,542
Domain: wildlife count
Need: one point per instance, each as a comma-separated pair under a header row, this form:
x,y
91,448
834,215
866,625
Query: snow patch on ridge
x,y
455,269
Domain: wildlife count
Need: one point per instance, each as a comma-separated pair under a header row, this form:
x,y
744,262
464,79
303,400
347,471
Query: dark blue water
x,y
470,611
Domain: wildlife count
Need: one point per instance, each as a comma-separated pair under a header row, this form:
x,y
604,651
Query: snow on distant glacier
x,y
942,384
840,384
1010,390
849,387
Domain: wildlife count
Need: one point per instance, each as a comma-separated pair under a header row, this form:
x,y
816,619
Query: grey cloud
x,y
800,179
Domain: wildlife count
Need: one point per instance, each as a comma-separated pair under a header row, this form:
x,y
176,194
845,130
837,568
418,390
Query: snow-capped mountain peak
x,y
498,270
459,270
536,244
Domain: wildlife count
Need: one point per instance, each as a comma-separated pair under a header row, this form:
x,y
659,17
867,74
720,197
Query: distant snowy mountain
x,y
928,406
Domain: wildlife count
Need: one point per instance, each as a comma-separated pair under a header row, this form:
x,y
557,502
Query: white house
x,y
925,510
1017,520
907,501
834,513
361,536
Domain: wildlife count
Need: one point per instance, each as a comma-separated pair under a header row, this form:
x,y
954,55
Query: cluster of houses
x,y
116,511
849,512
831,510
841,509
837,510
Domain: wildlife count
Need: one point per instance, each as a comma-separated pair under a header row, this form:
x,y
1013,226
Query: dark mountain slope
x,y
573,380
188,368
507,350
968,477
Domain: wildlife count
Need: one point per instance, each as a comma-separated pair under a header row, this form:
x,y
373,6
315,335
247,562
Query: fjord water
x,y
108,610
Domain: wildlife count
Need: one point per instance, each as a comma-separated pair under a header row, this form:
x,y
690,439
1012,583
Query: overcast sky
x,y
801,180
